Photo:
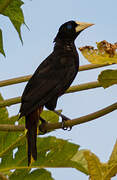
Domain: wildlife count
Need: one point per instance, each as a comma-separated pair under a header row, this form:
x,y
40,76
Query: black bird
x,y
51,79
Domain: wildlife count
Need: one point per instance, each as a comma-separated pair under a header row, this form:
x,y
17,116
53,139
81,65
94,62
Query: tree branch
x,y
10,127
9,102
81,87
73,122
14,80
84,86
26,78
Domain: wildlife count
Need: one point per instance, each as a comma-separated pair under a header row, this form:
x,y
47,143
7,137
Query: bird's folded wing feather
x,y
51,79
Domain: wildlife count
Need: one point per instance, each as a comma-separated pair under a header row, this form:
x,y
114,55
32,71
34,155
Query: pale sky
x,y
44,18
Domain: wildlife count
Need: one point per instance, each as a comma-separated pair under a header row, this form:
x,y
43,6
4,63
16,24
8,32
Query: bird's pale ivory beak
x,y
82,25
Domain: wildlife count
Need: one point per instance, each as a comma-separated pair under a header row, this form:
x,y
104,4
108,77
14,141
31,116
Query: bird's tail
x,y
31,125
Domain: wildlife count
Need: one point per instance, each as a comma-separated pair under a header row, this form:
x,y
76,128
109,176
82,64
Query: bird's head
x,y
70,30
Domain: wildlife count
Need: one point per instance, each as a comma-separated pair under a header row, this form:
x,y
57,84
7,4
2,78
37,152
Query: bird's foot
x,y
42,125
64,119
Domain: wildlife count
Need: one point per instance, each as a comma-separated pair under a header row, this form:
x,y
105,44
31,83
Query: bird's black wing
x,y
50,80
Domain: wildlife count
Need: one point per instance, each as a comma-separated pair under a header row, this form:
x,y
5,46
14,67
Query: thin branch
x,y
7,127
84,86
73,122
81,120
93,66
9,102
81,87
26,78
14,80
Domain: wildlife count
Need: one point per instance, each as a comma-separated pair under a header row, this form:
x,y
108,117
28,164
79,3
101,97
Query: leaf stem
x,y
93,66
84,86
9,102
73,122
26,78
81,87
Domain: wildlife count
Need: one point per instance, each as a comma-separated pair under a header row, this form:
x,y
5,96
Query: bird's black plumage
x,y
51,79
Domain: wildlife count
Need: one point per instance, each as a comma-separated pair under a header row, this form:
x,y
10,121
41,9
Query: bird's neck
x,y
66,46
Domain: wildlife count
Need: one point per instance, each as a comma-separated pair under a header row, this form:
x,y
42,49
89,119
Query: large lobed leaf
x,y
52,152
105,53
7,139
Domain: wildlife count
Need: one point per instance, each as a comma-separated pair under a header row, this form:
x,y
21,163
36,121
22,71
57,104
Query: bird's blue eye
x,y
69,26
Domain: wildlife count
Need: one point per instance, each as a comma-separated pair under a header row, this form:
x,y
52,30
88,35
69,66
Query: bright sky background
x,y
44,18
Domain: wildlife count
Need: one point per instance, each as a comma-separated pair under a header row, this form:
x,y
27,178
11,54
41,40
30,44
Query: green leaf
x,y
13,10
1,43
3,113
3,120
8,140
40,174
104,54
50,116
108,78
52,152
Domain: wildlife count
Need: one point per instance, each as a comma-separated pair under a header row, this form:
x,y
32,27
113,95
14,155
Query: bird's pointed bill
x,y
82,25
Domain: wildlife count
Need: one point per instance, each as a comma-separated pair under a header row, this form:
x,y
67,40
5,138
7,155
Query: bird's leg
x,y
64,118
41,127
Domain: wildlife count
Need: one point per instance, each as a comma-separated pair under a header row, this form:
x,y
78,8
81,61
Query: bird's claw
x,y
64,118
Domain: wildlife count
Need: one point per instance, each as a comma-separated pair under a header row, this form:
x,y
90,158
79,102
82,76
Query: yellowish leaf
x,y
111,172
112,164
79,158
106,53
113,157
94,166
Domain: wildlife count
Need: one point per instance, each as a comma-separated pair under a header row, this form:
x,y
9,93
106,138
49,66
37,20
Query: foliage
x,y
98,170
105,53
108,78
12,9
52,152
